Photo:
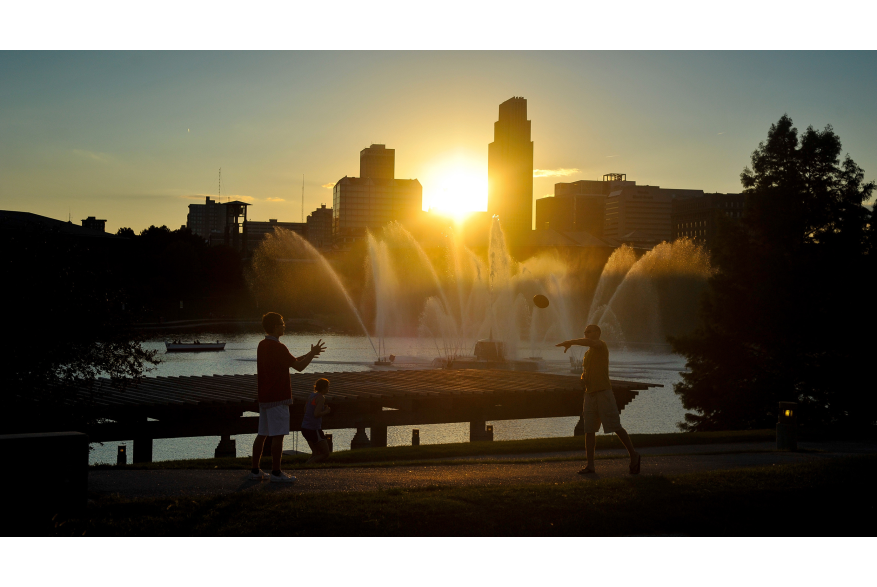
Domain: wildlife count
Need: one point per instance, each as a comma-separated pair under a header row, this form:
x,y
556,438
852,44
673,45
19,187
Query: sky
x,y
133,137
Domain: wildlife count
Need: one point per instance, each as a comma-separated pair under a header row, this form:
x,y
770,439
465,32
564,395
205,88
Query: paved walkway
x,y
656,461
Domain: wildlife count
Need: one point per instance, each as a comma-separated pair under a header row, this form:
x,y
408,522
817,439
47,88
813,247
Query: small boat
x,y
385,361
193,347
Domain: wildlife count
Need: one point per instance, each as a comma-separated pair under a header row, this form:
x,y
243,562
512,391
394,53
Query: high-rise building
x,y
370,202
510,170
578,206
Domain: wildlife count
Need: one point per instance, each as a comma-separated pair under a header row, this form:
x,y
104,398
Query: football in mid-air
x,y
540,301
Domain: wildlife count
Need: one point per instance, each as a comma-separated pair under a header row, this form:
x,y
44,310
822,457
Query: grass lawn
x,y
825,497
406,454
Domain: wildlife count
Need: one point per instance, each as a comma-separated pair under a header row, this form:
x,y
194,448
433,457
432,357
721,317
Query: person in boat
x,y
273,361
312,423
599,406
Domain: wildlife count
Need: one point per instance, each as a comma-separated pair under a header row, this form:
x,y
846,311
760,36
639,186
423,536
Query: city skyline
x,y
135,137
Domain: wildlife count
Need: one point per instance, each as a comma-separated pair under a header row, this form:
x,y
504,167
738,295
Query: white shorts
x,y
274,421
600,408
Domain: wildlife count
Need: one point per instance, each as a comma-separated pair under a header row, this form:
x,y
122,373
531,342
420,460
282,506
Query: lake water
x,y
653,411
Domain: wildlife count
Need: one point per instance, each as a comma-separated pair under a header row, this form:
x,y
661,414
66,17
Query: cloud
x,y
274,200
328,186
721,133
99,157
611,156
553,172
228,198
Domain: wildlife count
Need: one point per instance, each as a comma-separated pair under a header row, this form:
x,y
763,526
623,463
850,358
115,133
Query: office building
x,y
256,230
319,227
510,170
92,223
578,206
206,219
695,217
374,199
640,215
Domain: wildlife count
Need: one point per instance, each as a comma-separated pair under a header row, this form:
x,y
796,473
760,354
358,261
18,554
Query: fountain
x,y
641,302
466,305
285,246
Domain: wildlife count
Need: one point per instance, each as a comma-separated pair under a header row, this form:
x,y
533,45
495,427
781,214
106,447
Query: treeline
x,y
788,316
166,267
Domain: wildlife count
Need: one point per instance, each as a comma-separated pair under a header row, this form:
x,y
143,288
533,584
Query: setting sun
x,y
458,187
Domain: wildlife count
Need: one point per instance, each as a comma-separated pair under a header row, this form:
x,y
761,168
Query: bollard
x,y
329,442
122,455
787,426
360,439
415,437
226,447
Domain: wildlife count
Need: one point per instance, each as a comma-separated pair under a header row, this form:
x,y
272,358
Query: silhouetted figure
x,y
312,422
273,361
599,406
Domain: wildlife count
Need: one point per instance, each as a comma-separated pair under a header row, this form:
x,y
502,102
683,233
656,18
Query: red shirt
x,y
273,361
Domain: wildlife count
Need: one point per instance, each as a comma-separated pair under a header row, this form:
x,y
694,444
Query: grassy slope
x,y
405,454
826,497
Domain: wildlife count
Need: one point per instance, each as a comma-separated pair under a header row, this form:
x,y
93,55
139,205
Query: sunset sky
x,y
134,137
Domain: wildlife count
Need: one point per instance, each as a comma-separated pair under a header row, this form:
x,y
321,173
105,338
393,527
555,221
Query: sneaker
x,y
282,478
258,476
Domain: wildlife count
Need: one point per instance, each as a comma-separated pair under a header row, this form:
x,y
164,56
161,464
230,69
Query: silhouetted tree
x,y
785,315
67,321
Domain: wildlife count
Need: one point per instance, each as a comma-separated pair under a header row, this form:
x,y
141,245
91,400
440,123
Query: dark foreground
x,y
821,497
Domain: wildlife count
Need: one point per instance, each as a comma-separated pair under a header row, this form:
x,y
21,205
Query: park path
x,y
656,461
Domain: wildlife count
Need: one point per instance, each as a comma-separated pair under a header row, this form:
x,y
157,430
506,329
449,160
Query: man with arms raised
x,y
273,361
600,406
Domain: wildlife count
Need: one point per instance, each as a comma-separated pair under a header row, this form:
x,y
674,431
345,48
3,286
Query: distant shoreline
x,y
225,324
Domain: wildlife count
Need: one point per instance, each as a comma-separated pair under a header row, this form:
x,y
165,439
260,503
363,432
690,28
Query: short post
x,y
329,442
787,426
379,436
143,449
142,443
226,447
479,432
122,455
360,439
415,437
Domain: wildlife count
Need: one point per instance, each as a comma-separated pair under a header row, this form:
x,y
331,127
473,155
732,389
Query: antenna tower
x,y
220,185
302,197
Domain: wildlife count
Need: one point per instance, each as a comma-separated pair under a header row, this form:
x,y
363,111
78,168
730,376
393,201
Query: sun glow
x,y
455,188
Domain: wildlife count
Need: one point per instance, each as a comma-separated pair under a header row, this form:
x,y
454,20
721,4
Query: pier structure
x,y
217,405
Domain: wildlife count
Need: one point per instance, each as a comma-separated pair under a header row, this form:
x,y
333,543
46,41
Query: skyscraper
x,y
510,170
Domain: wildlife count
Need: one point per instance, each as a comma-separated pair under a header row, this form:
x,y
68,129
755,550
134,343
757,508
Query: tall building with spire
x,y
510,170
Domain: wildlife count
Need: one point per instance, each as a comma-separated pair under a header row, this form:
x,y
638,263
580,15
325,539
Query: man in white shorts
x,y
273,361
600,406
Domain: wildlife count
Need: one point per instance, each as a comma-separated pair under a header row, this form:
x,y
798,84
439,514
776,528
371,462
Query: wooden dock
x,y
214,405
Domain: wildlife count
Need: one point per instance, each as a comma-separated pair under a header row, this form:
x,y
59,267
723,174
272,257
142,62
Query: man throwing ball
x,y
600,406
273,361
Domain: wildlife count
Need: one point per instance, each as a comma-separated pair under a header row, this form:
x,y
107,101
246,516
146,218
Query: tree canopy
x,y
787,315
